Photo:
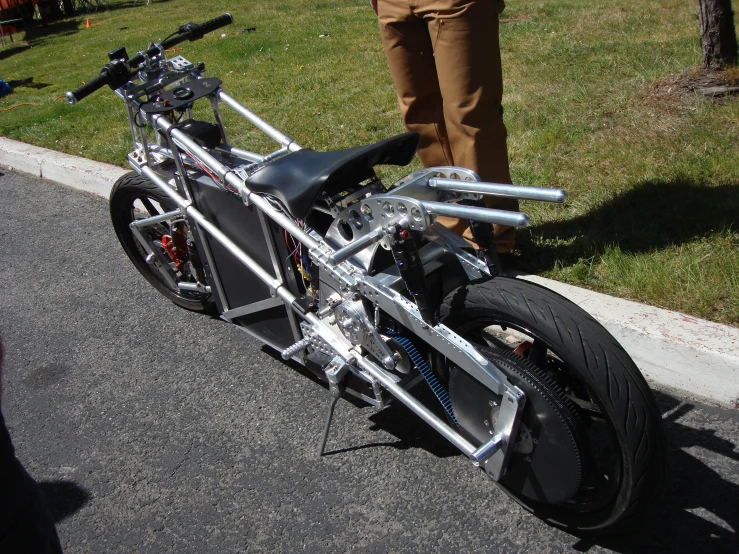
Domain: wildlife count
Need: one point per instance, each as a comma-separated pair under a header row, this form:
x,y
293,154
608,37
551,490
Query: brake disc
x,y
546,465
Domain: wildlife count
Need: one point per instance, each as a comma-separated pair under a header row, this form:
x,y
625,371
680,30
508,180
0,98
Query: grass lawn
x,y
598,101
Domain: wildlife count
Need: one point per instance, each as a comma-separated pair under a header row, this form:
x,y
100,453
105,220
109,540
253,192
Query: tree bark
x,y
718,36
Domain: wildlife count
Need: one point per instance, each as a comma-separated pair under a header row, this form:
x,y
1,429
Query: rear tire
x,y
135,197
623,446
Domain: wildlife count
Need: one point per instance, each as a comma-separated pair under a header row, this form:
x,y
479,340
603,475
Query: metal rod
x,y
419,409
149,221
488,449
239,153
501,217
269,210
258,122
274,283
357,246
507,191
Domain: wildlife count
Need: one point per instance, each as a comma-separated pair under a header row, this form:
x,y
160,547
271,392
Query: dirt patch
x,y
694,84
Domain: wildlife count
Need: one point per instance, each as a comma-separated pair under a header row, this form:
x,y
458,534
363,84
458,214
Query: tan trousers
x,y
444,57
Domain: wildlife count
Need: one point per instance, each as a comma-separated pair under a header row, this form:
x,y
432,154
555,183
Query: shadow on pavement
x,y
63,498
699,510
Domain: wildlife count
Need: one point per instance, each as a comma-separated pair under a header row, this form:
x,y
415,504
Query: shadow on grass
x,y
698,510
652,216
12,51
38,35
28,83
112,6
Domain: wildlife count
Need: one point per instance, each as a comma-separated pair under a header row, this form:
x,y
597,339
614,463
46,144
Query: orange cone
x,y
87,25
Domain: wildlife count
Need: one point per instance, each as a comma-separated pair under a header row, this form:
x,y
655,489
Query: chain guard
x,y
547,464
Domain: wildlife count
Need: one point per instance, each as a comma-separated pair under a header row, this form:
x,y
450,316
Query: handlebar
x,y
118,72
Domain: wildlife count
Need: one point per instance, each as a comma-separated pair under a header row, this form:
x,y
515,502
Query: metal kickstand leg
x,y
336,394
335,374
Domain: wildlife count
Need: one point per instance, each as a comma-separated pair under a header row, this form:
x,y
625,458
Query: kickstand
x,y
335,394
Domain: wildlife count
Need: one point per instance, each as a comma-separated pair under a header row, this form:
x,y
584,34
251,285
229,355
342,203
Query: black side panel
x,y
241,287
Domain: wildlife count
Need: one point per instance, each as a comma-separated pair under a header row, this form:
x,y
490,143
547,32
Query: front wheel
x,y
172,260
590,452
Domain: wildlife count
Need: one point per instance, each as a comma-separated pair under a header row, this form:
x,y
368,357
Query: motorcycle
x,y
313,255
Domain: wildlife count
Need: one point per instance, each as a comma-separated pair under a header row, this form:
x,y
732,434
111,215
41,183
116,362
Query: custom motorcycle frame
x,y
329,304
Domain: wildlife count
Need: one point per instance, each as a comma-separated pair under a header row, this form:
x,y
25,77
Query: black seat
x,y
298,178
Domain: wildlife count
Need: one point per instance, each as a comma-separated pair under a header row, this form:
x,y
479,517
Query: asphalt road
x,y
152,429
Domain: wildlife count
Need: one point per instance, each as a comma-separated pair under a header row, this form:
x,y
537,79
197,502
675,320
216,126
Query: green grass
x,y
653,179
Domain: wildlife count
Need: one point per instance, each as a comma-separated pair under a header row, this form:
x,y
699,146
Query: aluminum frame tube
x,y
270,280
239,153
501,217
557,196
357,246
419,409
258,122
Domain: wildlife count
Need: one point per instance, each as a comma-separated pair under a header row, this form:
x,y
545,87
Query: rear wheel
x,y
590,451
133,198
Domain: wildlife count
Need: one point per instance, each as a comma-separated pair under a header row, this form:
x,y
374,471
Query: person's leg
x,y
467,58
410,57
409,52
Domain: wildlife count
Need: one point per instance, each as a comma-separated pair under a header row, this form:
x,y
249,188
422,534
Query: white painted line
x,y
673,350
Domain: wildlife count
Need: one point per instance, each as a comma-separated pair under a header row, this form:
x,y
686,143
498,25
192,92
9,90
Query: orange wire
x,y
18,106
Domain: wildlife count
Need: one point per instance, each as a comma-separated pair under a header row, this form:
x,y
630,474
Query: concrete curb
x,y
674,351
80,173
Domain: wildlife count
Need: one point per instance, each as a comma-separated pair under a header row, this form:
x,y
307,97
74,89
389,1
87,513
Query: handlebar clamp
x,y
117,73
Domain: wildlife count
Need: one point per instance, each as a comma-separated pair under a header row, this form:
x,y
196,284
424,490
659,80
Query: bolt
x,y
424,325
487,423
535,441
527,459
493,403
389,362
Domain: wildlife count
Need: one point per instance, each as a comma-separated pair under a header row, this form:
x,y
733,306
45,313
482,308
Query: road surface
x,y
156,430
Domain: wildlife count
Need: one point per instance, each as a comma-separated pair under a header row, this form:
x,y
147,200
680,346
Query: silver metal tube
x,y
496,189
488,449
270,280
357,246
149,221
269,210
419,409
196,151
258,121
239,153
501,217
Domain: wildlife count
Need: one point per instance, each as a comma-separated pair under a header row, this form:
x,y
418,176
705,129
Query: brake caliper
x,y
176,247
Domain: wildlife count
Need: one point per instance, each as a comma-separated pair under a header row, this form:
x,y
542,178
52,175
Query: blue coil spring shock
x,y
425,370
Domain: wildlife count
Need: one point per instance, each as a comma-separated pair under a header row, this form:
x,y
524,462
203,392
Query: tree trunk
x,y
718,36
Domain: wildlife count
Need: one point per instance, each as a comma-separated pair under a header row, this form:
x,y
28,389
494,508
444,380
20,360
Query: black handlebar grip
x,y
195,31
87,89
216,23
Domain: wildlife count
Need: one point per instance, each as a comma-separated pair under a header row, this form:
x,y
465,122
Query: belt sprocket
x,y
546,465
